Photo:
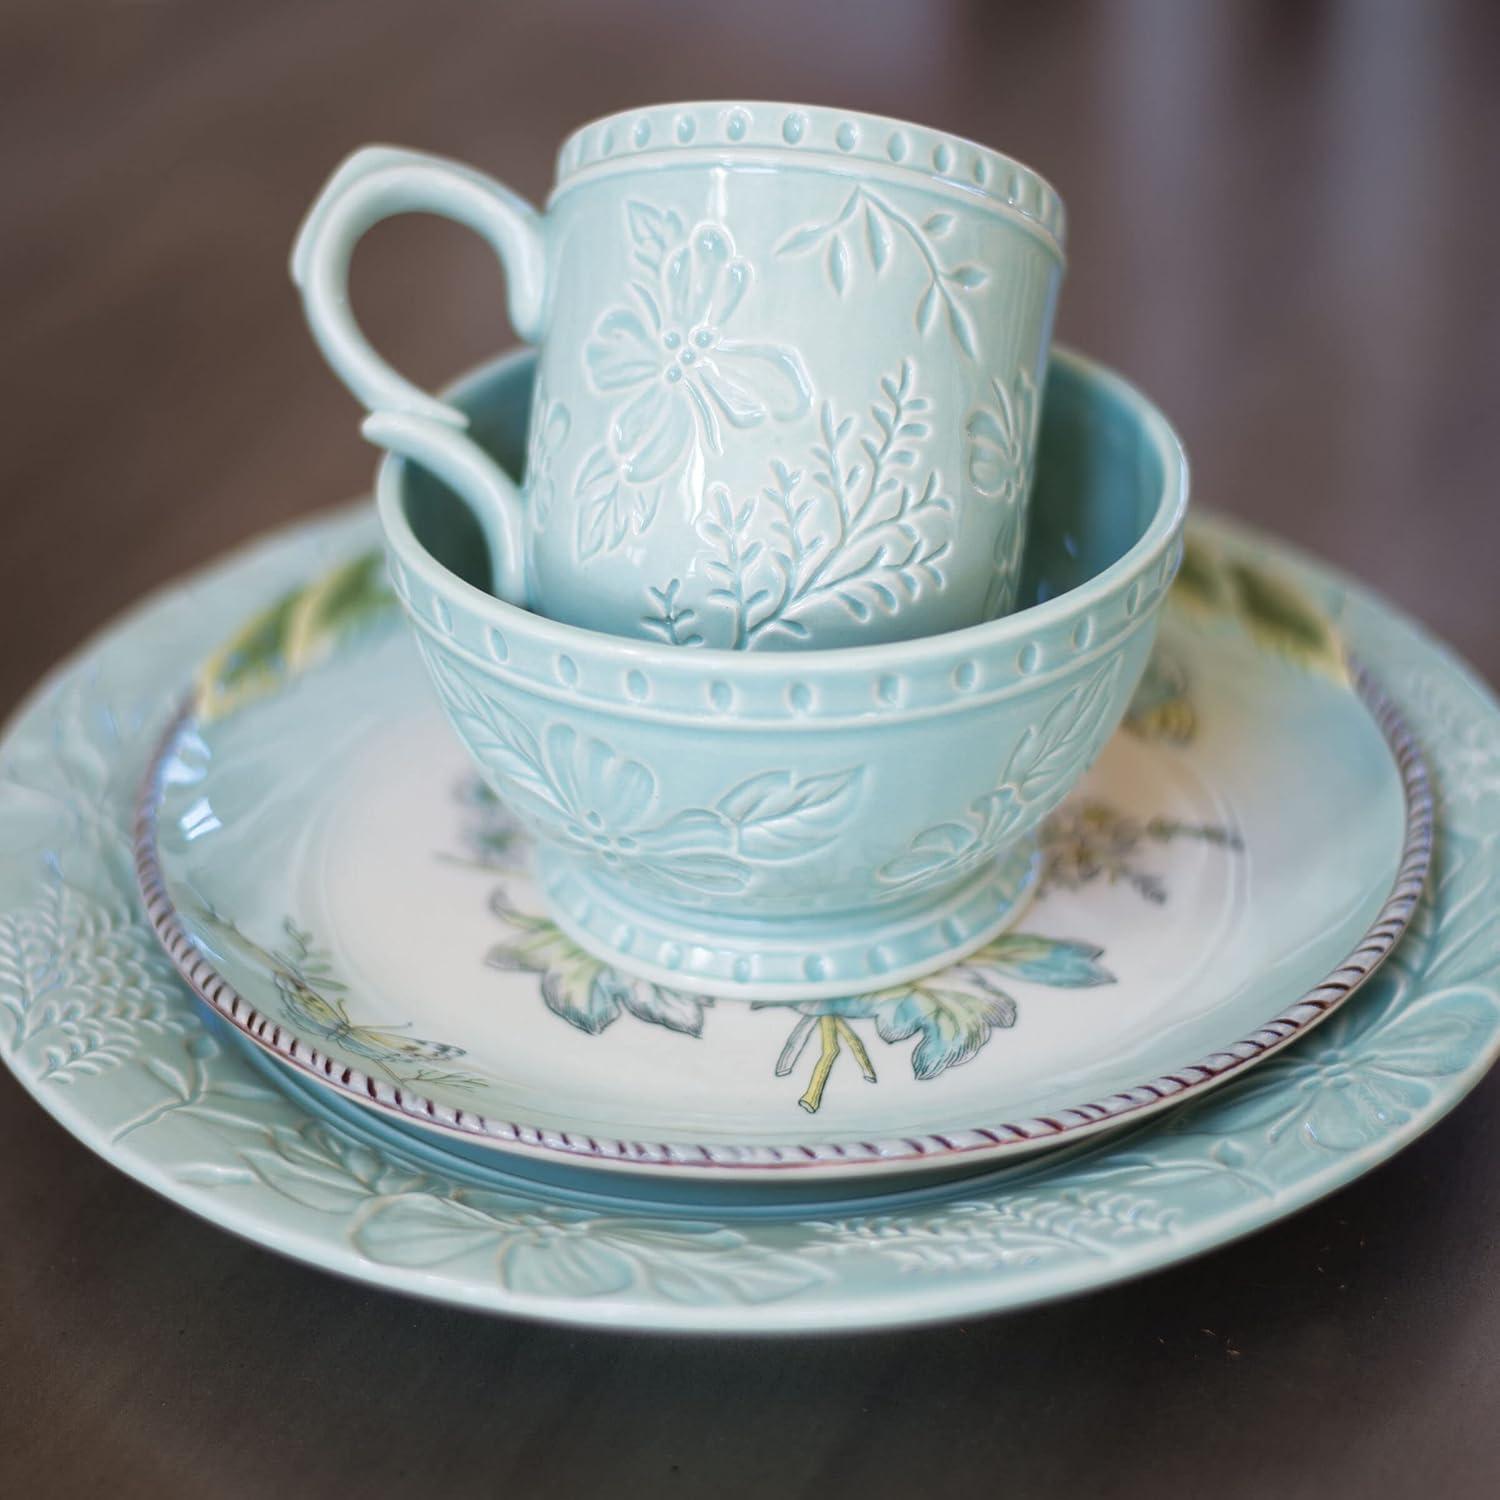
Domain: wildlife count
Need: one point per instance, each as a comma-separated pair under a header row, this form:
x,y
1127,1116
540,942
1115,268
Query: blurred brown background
x,y
1284,224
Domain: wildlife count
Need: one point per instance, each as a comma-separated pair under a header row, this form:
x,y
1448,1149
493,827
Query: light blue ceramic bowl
x,y
781,826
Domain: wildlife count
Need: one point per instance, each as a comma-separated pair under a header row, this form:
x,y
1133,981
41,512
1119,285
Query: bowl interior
x,y
1098,484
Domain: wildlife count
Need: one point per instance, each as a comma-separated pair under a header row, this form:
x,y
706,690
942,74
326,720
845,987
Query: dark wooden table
x,y
1284,224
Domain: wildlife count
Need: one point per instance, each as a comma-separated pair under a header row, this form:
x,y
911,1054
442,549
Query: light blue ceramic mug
x,y
787,391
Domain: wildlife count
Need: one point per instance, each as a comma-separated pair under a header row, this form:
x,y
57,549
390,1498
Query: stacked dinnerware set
x,y
827,846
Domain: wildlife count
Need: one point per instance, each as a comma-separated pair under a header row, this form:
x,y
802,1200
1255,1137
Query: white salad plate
x,y
327,871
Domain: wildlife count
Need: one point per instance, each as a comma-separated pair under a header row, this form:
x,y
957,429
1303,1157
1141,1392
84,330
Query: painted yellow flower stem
x,y
852,1042
828,1042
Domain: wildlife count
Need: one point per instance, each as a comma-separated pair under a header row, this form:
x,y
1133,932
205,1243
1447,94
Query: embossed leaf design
x,y
838,264
884,222
855,528
564,1255
653,231
501,742
610,505
1050,753
779,815
1046,758
546,432
981,1236
82,980
669,618
877,238
950,848
935,848
324,1169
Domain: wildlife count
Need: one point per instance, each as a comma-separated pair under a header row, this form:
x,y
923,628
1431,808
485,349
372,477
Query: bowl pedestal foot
x,y
819,956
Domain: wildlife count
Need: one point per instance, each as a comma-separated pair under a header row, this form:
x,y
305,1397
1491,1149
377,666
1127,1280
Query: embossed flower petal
x,y
593,780
702,281
994,459
1351,1108
566,1265
623,352
1250,1102
325,1171
652,230
650,433
773,375
739,404
1421,1046
432,1229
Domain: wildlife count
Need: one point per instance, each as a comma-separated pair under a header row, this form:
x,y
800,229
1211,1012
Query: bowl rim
x,y
1012,630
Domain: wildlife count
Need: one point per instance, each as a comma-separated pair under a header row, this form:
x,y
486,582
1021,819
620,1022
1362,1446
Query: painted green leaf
x,y
1042,960
951,1024
1283,619
582,991
577,989
1162,707
571,979
1277,615
246,665
292,634
655,1004
334,607
1200,580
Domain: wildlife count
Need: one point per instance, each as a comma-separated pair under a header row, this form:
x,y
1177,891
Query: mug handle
x,y
376,183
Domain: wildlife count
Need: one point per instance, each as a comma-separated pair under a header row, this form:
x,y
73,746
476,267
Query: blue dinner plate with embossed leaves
x,y
96,1023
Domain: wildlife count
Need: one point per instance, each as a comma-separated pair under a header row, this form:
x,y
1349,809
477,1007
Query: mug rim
x,y
720,127
771,667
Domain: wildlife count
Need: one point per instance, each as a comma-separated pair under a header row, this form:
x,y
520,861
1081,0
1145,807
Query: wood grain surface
x,y
1284,224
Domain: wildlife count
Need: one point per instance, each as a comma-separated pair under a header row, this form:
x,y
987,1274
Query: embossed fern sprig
x,y
672,620
859,537
882,220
